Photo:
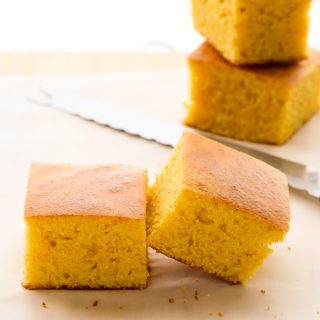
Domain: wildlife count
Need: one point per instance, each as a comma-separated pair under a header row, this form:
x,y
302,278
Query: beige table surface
x,y
28,133
57,63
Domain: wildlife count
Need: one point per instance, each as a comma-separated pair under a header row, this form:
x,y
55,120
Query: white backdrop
x,y
105,25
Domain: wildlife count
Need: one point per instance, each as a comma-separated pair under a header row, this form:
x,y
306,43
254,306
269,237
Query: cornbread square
x,y
217,209
255,31
85,227
264,104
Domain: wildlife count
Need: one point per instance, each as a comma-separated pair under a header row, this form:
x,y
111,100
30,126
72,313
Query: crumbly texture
x,y
263,104
256,31
85,227
217,209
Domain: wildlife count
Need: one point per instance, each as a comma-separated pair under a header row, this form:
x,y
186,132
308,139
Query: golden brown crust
x,y
288,73
243,182
87,190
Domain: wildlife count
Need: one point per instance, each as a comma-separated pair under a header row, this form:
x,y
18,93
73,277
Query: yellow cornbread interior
x,y
163,193
206,233
254,32
303,103
238,103
85,252
215,20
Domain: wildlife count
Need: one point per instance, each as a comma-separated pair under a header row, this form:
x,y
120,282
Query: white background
x,y
105,25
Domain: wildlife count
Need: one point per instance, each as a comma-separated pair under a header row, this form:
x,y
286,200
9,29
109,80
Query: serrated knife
x,y
300,176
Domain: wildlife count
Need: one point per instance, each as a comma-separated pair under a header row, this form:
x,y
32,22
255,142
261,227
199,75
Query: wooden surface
x,y
85,63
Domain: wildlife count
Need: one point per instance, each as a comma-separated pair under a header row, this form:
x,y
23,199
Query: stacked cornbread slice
x,y
235,91
257,103
85,227
254,31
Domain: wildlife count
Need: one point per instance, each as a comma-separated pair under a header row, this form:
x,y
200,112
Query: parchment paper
x,y
286,287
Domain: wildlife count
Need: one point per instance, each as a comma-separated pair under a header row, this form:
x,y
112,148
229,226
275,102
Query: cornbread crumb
x,y
211,314
44,305
268,104
220,314
95,303
88,210
263,291
225,200
184,289
185,301
196,295
171,300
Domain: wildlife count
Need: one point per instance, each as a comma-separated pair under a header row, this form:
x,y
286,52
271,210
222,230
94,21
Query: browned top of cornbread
x,y
244,182
288,73
87,190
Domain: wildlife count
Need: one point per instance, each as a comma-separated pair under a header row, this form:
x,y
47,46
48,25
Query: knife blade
x,y
300,176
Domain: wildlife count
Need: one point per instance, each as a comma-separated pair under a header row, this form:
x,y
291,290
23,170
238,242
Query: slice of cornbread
x,y
255,31
85,227
217,209
263,104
